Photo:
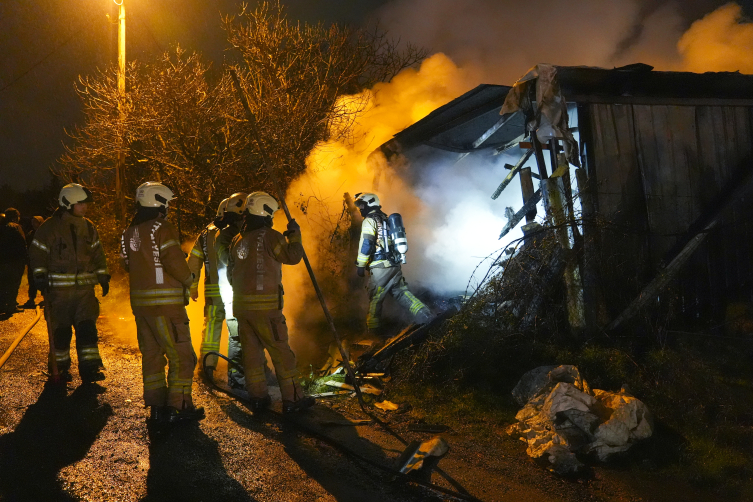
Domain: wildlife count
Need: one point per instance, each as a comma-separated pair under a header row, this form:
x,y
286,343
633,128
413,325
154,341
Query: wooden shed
x,y
662,151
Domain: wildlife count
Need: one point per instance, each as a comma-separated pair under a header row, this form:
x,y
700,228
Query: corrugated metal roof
x,y
456,125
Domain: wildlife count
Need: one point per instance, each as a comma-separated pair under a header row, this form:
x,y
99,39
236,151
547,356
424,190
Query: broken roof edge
x,y
636,83
464,108
579,83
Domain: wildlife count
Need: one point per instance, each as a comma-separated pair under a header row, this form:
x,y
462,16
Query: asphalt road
x,y
92,443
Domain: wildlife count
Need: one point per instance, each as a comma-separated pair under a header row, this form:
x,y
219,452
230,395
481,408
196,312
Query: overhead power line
x,y
53,51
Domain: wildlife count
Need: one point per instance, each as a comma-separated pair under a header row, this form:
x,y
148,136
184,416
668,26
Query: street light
x,y
120,167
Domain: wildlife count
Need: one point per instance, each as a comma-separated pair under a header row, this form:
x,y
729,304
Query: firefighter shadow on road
x,y
185,465
343,477
56,431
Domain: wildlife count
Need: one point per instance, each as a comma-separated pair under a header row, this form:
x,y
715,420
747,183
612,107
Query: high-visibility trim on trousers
x,y
383,281
260,330
166,340
212,332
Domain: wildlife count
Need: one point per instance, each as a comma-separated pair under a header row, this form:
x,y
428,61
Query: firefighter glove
x,y
293,227
361,271
41,282
104,281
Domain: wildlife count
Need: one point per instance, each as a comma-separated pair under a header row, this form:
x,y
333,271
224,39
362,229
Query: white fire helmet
x,y
73,193
366,199
261,204
153,194
221,208
236,203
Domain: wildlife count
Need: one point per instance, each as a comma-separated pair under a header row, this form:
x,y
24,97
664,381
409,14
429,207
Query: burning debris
x,y
562,417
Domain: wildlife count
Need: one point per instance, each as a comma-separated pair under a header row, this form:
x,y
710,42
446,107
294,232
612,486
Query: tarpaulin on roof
x,y
550,120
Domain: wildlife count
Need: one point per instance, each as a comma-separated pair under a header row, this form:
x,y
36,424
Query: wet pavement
x,y
91,442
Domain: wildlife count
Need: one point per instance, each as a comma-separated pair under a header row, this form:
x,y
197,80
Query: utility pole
x,y
120,167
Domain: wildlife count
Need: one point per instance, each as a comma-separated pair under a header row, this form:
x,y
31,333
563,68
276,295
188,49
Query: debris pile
x,y
562,417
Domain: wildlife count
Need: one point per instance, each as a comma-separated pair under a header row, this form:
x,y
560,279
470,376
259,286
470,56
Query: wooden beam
x,y
489,132
526,186
527,208
652,100
538,152
544,146
511,175
533,175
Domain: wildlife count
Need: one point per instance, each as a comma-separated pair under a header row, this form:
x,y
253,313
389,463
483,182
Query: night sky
x,y
46,44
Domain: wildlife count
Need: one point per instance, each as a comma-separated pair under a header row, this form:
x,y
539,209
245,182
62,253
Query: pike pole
x,y
281,195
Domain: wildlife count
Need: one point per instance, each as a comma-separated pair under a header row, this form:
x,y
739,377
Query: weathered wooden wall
x,y
656,169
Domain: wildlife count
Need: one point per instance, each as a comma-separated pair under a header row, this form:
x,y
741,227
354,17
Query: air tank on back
x,y
397,235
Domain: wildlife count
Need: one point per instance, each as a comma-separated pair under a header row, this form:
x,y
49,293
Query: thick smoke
x,y
501,39
452,222
721,41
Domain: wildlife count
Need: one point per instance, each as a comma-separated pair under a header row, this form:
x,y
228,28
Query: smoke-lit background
x,y
452,222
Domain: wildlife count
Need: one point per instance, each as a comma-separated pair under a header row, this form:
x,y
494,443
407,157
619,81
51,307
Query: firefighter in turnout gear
x,y
160,281
255,272
67,261
218,298
385,273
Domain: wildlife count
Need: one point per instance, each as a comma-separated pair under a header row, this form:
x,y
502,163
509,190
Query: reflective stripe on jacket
x,y
67,249
204,253
371,244
160,277
255,267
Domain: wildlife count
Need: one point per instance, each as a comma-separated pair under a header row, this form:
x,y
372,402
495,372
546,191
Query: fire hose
x,y
20,337
333,442
251,118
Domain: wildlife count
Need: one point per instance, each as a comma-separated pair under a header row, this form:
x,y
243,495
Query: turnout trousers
x,y
68,308
211,334
390,280
267,329
166,340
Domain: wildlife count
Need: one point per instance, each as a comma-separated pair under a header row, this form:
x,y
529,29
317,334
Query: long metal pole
x,y
120,167
281,195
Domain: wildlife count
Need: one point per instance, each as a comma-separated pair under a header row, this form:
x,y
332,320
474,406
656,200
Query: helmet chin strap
x,y
367,210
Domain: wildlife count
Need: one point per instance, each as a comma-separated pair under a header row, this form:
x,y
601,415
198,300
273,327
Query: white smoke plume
x,y
451,221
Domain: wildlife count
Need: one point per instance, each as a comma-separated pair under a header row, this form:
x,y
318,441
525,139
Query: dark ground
x,y
92,443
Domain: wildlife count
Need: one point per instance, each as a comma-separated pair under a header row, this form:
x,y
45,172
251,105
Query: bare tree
x,y
184,123
302,80
178,129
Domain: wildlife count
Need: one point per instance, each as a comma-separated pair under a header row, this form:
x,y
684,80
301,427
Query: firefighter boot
x,y
91,373
258,404
64,376
208,374
296,406
157,414
193,413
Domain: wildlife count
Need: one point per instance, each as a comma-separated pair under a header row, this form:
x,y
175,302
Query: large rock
x,y
562,416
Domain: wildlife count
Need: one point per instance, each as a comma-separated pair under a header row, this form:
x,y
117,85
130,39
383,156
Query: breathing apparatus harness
x,y
391,231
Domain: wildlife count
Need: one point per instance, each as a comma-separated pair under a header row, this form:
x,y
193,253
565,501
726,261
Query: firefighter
x,y
385,273
160,281
217,291
231,226
255,272
13,258
36,221
67,261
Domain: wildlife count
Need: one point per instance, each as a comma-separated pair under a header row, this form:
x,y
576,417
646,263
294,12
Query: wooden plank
x,y
620,201
655,101
684,153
